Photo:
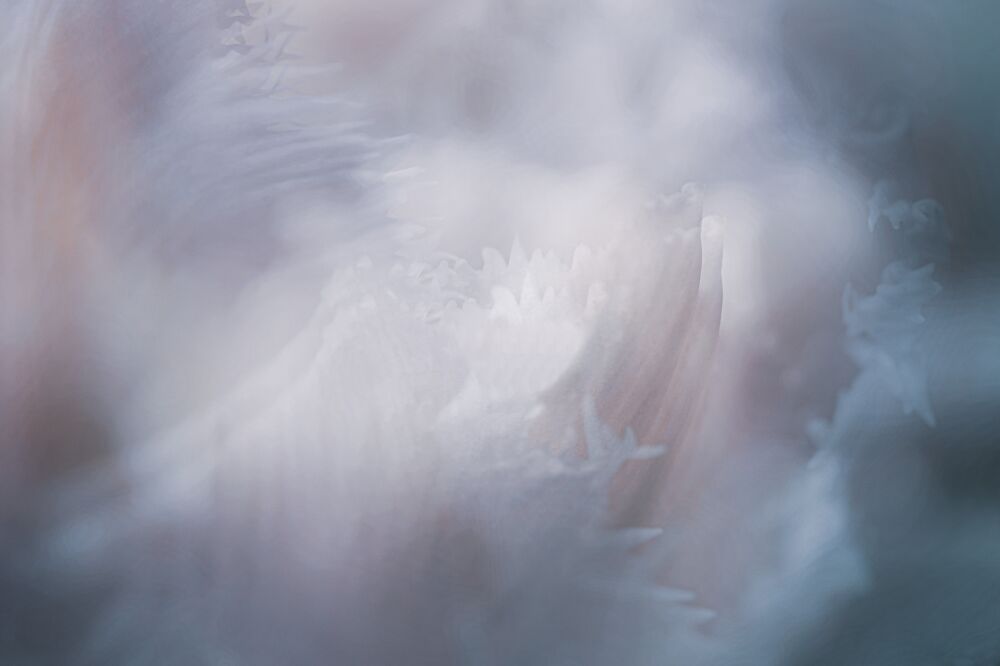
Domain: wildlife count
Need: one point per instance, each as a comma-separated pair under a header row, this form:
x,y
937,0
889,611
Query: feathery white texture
x,y
341,429
885,328
316,495
387,467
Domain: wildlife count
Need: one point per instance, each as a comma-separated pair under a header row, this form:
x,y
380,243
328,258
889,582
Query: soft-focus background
x,y
499,332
